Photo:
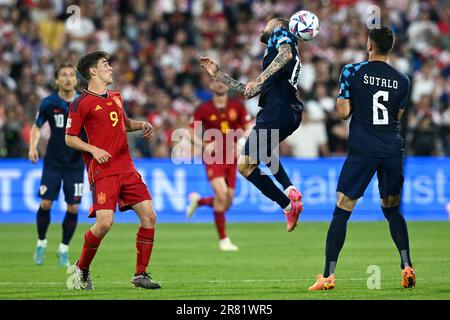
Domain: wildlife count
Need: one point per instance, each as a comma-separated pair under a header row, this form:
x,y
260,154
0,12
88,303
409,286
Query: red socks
x,y
91,244
219,219
144,246
206,201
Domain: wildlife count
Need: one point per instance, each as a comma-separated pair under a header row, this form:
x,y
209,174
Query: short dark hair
x,y
62,66
90,60
383,39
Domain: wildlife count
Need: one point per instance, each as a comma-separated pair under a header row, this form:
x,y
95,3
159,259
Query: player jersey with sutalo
x,y
377,93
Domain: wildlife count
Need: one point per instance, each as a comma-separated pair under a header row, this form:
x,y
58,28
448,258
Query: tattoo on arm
x,y
237,86
230,83
283,57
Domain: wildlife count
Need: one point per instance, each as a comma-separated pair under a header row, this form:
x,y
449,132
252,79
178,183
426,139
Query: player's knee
x,y
221,199
390,201
105,225
148,220
46,204
345,202
246,169
72,208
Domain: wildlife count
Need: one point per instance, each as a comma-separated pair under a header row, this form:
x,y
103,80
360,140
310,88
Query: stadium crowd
x,y
156,45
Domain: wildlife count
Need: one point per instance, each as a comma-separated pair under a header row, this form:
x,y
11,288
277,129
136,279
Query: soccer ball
x,y
304,25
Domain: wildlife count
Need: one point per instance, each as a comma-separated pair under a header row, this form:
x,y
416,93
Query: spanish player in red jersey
x,y
113,178
225,117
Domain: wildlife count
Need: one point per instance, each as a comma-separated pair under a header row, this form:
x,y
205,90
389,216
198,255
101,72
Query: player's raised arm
x,y
213,69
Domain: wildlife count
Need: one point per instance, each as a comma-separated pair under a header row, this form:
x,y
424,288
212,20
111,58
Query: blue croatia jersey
x,y
55,110
377,92
281,88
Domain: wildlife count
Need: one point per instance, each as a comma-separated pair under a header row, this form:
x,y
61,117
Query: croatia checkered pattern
x,y
280,36
344,80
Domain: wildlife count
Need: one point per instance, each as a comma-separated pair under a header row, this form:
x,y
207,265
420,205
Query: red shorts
x,y
228,171
123,189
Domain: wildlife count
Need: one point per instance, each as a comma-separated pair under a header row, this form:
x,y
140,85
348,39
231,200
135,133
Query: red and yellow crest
x,y
117,101
101,198
232,115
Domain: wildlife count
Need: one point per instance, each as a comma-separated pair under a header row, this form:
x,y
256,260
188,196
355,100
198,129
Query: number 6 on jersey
x,y
378,106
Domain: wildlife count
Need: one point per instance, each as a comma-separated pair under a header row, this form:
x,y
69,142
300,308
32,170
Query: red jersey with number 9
x,y
102,118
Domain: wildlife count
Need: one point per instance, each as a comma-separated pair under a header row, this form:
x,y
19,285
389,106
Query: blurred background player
x,y
280,117
113,177
376,95
61,164
224,115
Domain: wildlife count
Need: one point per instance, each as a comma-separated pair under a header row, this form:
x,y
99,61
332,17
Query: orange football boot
x,y
408,278
323,283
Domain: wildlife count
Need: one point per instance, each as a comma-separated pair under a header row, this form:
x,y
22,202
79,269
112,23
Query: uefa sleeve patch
x,y
69,123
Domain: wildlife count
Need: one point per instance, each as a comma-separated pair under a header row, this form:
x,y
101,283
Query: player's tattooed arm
x,y
235,85
213,69
283,57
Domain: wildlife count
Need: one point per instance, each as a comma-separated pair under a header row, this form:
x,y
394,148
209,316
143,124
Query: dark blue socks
x,y
399,233
266,185
42,221
335,239
68,226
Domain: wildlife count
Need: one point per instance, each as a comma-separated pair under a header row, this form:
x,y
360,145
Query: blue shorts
x,y
72,180
273,125
358,171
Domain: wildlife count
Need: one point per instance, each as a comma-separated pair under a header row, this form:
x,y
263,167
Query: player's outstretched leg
x,y
280,174
291,208
42,222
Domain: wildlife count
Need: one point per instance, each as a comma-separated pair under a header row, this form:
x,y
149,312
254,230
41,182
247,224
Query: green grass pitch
x,y
271,264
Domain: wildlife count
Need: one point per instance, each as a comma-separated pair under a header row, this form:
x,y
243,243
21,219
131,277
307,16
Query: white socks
x,y
63,247
42,243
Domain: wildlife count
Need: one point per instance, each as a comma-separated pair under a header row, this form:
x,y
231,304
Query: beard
x,y
264,37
